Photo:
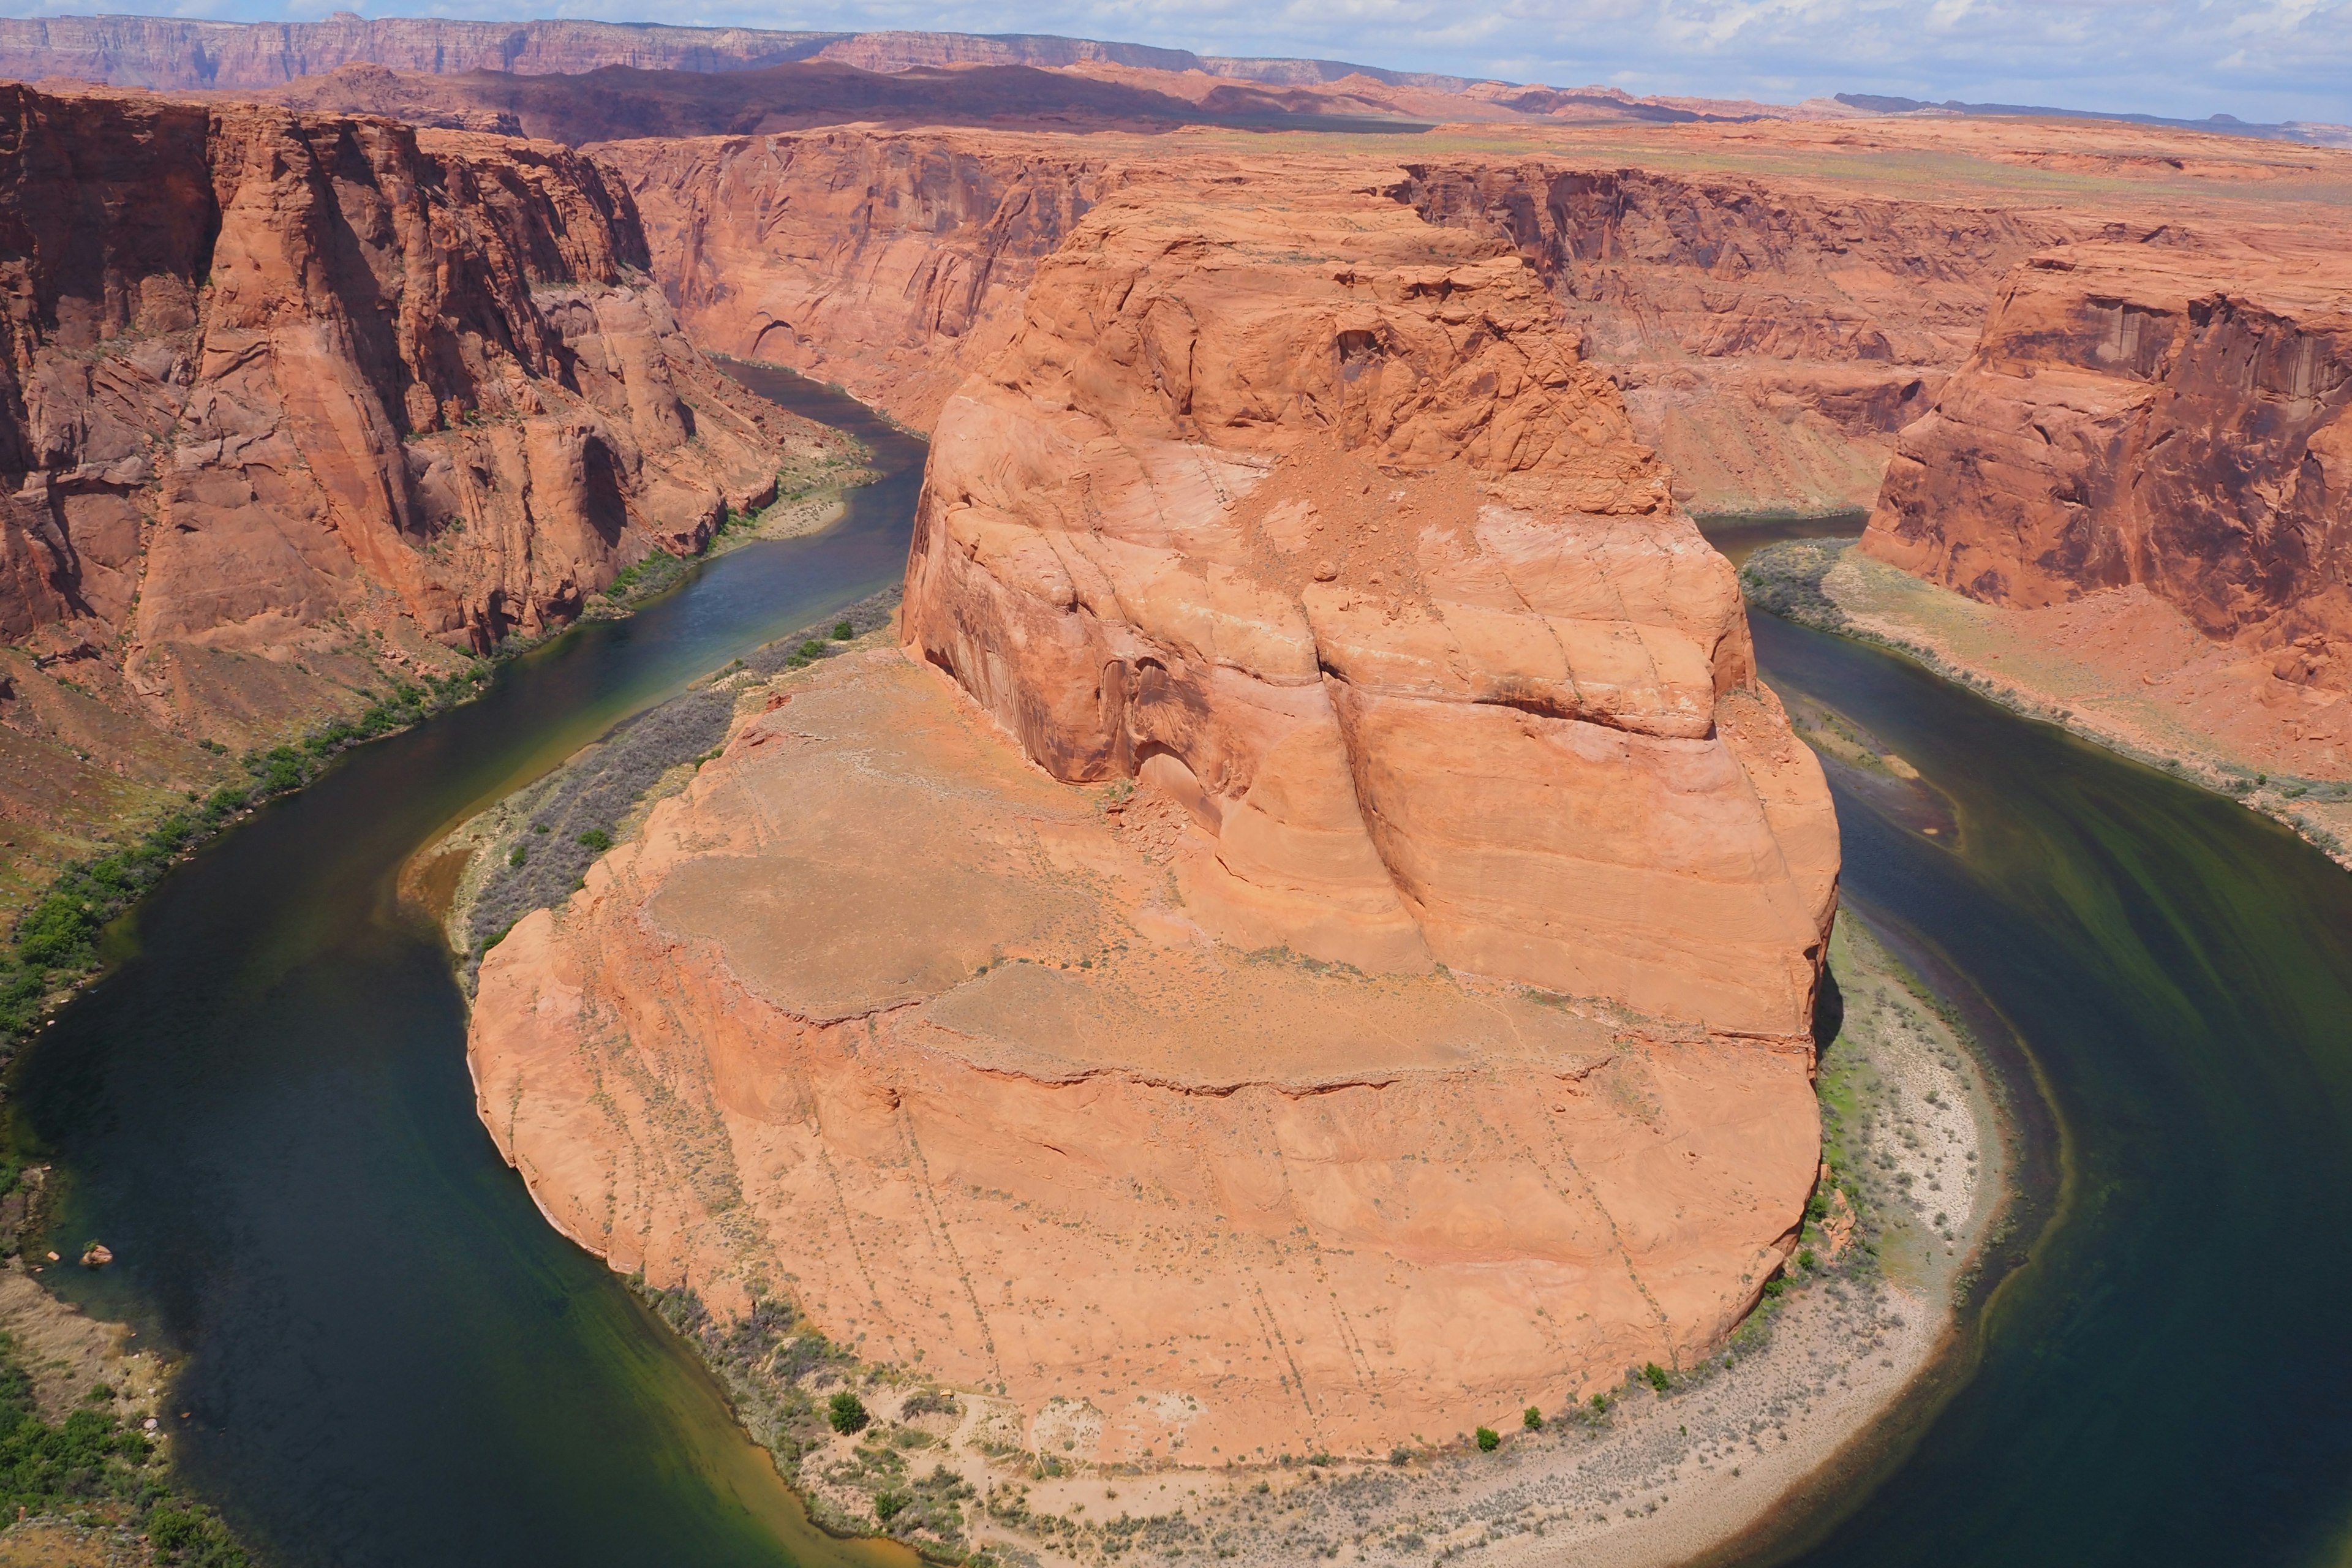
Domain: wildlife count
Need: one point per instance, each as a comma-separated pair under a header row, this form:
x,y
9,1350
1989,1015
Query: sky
x,y
2264,60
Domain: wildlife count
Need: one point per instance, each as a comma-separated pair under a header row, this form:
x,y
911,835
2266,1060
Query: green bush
x,y
810,649
596,839
846,1412
1488,1439
844,632
1531,1418
517,855
888,1506
1657,1376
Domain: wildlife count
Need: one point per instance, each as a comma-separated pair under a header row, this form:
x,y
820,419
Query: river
x,y
391,1359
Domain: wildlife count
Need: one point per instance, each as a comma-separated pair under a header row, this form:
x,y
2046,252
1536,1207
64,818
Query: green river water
x,y
392,1360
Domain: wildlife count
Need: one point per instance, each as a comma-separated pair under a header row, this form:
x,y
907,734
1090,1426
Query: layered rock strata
x,y
270,364
292,406
1357,556
2169,415
1771,337
892,263
1314,946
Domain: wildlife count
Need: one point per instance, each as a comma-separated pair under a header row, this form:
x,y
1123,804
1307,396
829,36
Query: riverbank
x,y
2120,669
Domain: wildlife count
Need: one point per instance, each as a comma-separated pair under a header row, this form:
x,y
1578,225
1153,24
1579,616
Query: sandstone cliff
x,y
290,403
1389,1004
1771,337
892,263
1360,559
2169,415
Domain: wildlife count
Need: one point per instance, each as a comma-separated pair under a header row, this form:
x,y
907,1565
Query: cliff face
x,y
290,407
2169,417
890,263
1770,338
269,367
1362,560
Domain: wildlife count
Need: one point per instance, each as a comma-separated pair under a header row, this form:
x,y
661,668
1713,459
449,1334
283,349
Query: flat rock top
x,y
894,849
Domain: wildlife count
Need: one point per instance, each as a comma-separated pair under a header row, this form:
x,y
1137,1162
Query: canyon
x,y
2166,416
1306,936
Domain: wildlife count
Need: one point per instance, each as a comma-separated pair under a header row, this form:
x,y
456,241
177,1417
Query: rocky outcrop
x,y
272,369
1770,337
294,408
891,263
2169,415
1388,1005
1363,561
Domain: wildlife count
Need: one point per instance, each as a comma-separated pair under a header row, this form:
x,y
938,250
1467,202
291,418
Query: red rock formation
x,y
2166,414
1361,560
1427,1034
891,263
268,368
1770,337
878,1017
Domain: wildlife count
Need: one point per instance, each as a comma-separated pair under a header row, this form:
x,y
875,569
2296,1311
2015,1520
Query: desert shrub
x,y
846,1413
1531,1418
1488,1439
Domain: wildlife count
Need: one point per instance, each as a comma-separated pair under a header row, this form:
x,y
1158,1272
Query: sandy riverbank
x,y
2120,669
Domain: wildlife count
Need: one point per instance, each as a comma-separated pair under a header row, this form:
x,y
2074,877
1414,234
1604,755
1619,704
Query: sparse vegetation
x,y
99,1471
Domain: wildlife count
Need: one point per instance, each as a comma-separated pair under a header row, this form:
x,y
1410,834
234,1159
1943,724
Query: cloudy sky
x,y
2259,59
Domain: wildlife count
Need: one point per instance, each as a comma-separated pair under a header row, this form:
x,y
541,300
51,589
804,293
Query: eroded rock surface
x,y
1312,942
1307,513
877,1015
2169,414
1771,336
891,262
270,364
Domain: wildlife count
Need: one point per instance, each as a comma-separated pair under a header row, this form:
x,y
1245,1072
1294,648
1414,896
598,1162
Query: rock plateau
x,y
1314,940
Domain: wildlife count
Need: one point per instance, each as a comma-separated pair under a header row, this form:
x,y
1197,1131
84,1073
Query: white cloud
x,y
2260,60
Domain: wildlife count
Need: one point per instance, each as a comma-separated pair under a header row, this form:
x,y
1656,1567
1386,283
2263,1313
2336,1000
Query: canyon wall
x,y
271,367
292,405
2169,415
1771,337
891,263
